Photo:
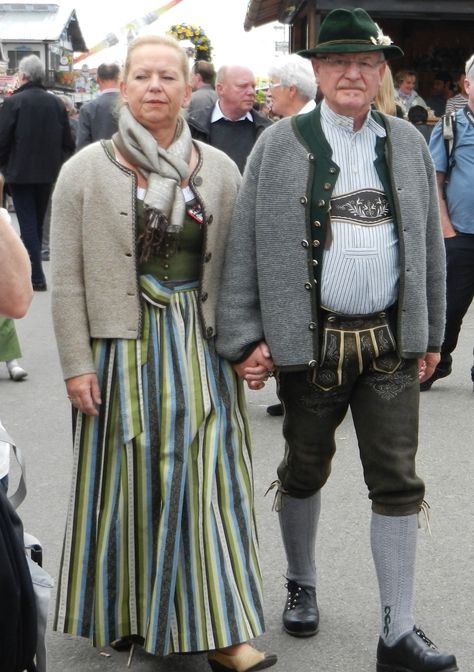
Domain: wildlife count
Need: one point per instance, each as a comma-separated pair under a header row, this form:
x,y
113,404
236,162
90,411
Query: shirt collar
x,y
111,90
218,114
347,123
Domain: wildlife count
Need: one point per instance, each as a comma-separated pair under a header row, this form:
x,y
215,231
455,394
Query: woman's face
x,y
408,84
155,89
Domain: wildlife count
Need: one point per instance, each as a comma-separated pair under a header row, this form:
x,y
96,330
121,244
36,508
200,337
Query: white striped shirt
x,y
361,266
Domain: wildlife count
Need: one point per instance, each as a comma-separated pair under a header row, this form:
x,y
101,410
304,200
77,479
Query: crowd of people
x,y
198,245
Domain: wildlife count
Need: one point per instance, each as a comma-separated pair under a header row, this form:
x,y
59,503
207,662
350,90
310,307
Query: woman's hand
x,y
84,393
257,368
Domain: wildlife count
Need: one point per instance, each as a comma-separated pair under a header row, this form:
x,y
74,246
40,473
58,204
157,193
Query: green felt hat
x,y
351,31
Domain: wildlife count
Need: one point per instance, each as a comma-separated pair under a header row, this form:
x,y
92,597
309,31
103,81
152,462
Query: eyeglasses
x,y
364,66
273,86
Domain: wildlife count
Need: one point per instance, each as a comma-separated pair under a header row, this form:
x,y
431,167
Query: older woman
x,y
160,542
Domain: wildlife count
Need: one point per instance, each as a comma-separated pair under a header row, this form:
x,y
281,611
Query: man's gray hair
x,y
32,68
470,69
294,70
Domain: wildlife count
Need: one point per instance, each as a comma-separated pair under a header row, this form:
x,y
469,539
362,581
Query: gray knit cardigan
x,y
268,272
94,267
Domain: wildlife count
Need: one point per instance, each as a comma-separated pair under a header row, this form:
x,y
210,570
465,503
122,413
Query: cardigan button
x,y
303,200
210,219
312,363
316,243
308,286
327,186
314,262
305,244
198,181
310,157
331,318
312,326
209,332
332,170
321,203
317,223
204,296
208,257
128,254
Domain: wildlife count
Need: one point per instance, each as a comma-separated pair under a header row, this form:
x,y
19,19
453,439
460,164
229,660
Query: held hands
x,y
84,393
257,368
427,365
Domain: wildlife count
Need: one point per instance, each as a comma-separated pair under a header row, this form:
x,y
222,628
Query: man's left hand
x,y
427,365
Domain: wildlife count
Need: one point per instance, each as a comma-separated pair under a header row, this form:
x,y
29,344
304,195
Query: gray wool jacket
x,y
95,289
268,289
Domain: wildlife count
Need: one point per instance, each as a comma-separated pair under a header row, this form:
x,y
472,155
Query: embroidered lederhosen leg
x,y
361,369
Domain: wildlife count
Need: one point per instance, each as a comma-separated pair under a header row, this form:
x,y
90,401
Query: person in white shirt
x,y
293,87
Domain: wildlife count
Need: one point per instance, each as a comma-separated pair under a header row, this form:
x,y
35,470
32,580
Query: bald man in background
x,y
231,124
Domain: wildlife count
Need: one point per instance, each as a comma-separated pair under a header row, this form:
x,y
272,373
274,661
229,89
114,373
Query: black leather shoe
x,y
40,286
275,409
301,614
438,373
414,653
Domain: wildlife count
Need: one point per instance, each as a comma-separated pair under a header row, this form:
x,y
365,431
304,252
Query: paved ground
x,y
36,413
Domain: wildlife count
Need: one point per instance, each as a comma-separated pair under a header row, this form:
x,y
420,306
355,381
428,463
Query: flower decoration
x,y
381,39
196,35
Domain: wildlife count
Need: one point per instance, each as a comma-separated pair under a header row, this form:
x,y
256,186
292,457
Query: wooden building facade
x,y
436,35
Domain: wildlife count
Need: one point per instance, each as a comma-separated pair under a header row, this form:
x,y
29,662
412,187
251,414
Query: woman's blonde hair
x,y
165,40
385,98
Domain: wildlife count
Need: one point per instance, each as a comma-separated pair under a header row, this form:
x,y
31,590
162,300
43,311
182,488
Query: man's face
x,y
279,97
469,88
349,82
236,92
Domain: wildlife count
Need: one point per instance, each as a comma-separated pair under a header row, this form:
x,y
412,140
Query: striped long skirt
x,y
160,536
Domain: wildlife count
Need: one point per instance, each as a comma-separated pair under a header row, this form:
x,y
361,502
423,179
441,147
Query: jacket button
x,y
303,200
332,170
314,262
312,326
308,285
305,243
204,296
321,203
166,277
209,332
128,254
317,223
198,181
310,157
327,186
208,257
316,243
312,363
210,219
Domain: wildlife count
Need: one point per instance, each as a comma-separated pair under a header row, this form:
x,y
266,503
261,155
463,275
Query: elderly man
x,y
231,124
292,88
334,275
456,199
35,139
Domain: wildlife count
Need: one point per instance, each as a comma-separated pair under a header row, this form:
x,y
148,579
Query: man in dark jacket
x,y
98,118
231,124
35,139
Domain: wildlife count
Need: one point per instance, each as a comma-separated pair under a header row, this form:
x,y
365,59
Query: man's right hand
x,y
256,368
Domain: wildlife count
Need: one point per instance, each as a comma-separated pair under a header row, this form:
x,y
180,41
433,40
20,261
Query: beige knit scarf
x,y
164,170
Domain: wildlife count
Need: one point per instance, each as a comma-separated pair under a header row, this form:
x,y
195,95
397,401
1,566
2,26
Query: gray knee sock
x,y
393,541
299,524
